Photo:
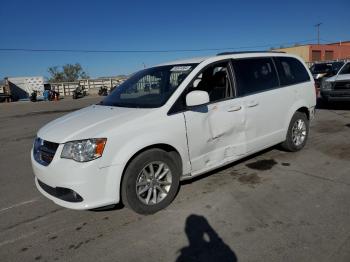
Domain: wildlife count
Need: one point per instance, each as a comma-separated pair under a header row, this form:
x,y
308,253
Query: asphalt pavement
x,y
273,206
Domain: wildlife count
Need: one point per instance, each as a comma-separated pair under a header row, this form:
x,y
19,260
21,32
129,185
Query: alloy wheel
x,y
153,183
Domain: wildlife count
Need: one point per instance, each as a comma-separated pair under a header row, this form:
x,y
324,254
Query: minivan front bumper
x,y
78,185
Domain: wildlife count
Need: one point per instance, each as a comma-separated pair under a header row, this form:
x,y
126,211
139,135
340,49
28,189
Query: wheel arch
x,y
166,147
298,107
304,110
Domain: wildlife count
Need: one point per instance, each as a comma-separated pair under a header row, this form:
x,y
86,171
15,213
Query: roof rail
x,y
248,52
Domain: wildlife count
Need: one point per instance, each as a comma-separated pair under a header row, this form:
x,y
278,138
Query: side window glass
x,y
214,80
291,71
345,69
255,75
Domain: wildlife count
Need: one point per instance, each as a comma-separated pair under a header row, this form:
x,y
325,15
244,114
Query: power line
x,y
144,51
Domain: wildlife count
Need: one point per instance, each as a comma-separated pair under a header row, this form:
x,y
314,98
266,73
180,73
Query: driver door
x,y
215,132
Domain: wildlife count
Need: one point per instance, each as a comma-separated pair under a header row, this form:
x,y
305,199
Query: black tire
x,y
325,100
128,189
289,144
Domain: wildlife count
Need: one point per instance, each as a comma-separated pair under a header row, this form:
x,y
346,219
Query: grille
x,y
44,151
342,85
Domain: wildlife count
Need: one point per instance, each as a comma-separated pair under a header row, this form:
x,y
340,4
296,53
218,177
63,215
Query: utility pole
x,y
318,32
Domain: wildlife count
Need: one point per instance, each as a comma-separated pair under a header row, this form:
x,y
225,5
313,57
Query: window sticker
x,y
180,68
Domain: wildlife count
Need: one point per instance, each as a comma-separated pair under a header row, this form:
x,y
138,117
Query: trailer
x,y
23,87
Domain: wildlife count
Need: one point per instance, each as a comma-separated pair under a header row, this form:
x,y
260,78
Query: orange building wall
x,y
339,51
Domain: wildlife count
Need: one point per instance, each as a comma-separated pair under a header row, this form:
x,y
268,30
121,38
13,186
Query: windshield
x,y
320,68
337,66
149,88
345,69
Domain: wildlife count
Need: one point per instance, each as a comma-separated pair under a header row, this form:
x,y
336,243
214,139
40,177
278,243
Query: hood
x,y
344,77
90,122
331,79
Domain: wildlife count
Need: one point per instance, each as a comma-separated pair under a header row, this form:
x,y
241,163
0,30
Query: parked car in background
x,y
321,71
201,114
337,88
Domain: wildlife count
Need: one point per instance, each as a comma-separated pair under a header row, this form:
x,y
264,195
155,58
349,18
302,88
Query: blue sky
x,y
154,25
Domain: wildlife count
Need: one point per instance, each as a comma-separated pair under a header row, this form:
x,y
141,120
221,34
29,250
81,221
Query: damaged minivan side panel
x,y
215,132
215,137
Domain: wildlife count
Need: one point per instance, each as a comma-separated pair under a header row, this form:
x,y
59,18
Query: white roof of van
x,y
197,60
194,60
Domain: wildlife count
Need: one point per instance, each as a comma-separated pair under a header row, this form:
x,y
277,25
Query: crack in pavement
x,y
338,249
339,114
30,220
314,176
19,204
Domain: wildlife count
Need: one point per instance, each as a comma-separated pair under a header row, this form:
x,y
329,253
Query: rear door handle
x,y
234,108
252,103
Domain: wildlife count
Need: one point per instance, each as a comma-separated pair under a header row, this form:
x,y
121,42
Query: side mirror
x,y
196,98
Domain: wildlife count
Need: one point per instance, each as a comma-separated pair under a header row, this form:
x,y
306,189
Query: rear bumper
x,y
78,185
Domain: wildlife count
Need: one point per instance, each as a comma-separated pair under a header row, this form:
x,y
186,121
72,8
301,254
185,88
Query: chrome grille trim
x,y
44,151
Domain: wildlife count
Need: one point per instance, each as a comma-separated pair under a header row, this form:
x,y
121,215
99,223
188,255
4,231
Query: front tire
x,y
151,181
298,132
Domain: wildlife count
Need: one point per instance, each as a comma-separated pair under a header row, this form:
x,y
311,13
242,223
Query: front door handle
x,y
234,108
252,103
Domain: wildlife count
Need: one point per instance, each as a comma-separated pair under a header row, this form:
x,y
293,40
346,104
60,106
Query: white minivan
x,y
173,122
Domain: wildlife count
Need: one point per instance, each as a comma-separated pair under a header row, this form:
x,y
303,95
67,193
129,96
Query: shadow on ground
x,y
204,243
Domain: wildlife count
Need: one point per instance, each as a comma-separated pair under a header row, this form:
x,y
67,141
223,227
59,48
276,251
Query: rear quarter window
x,y
291,71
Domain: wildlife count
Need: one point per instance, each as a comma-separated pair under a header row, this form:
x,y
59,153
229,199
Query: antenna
x,y
318,32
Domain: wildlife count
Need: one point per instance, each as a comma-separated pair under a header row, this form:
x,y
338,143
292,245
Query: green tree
x,y
68,73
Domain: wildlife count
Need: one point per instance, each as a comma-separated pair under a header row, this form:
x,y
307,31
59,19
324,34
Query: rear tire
x,y
324,100
298,132
151,181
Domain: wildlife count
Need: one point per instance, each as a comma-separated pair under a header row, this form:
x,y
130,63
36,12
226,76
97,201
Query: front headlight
x,y
84,150
326,85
